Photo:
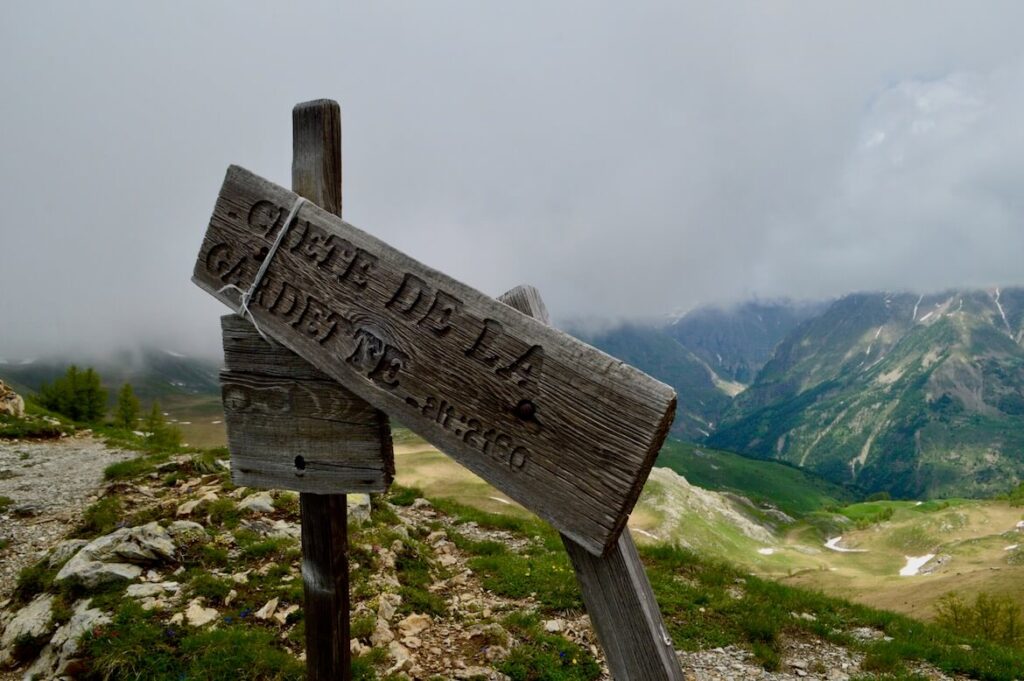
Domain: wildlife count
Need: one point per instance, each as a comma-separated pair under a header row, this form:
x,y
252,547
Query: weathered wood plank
x,y
624,612
615,587
290,426
564,429
325,580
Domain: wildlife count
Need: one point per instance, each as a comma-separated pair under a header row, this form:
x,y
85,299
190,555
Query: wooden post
x,y
316,175
614,586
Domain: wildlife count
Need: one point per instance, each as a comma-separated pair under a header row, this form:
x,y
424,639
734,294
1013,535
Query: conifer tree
x,y
128,407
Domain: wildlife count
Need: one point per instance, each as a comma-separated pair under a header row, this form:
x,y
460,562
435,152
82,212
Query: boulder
x,y
142,544
260,502
94,573
11,403
64,646
117,556
33,621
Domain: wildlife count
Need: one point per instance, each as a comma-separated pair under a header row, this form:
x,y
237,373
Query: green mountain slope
x,y
790,489
915,395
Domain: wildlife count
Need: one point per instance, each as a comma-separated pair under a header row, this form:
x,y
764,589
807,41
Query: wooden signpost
x,y
292,427
568,431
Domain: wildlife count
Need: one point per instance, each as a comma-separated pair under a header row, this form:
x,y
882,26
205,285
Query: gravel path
x,y
50,483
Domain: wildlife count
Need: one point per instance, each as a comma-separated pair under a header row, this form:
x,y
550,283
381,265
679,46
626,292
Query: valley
x,y
968,538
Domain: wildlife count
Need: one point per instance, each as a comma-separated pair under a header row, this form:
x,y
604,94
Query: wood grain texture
x,y
290,426
624,612
452,364
615,587
325,581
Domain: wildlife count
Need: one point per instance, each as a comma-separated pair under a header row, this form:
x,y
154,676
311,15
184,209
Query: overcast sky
x,y
629,159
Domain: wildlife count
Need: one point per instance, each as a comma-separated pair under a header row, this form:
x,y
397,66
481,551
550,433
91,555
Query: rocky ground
x,y
191,555
49,484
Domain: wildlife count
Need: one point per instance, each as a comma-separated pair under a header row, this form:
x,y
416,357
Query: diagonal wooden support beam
x,y
615,587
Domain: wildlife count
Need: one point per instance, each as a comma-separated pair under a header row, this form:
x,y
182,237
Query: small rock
x,y
414,624
150,589
359,507
387,604
232,595
260,502
28,510
282,615
187,530
190,507
267,610
400,655
421,504
381,635
554,626
197,615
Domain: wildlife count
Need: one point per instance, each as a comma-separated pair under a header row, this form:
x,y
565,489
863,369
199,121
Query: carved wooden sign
x,y
568,431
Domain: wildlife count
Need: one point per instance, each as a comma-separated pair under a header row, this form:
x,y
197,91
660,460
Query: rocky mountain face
x,y
735,342
914,395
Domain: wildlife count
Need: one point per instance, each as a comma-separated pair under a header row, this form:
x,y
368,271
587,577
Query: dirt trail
x,y
50,482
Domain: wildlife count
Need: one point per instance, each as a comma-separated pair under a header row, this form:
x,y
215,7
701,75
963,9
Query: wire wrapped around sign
x,y
243,307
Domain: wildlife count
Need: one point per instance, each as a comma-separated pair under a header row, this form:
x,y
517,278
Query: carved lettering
x,y
247,399
482,348
439,316
315,244
284,301
386,371
359,269
221,260
525,369
410,294
264,216
316,320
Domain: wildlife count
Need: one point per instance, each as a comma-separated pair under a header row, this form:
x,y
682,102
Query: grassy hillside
x,y
794,491
496,590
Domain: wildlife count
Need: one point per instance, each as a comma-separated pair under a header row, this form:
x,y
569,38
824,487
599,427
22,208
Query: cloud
x,y
628,160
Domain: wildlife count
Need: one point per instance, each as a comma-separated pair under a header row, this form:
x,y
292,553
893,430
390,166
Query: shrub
x,y
991,618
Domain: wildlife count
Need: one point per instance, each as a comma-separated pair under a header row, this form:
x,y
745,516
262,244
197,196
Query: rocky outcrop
x,y
11,403
55,659
33,622
118,555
